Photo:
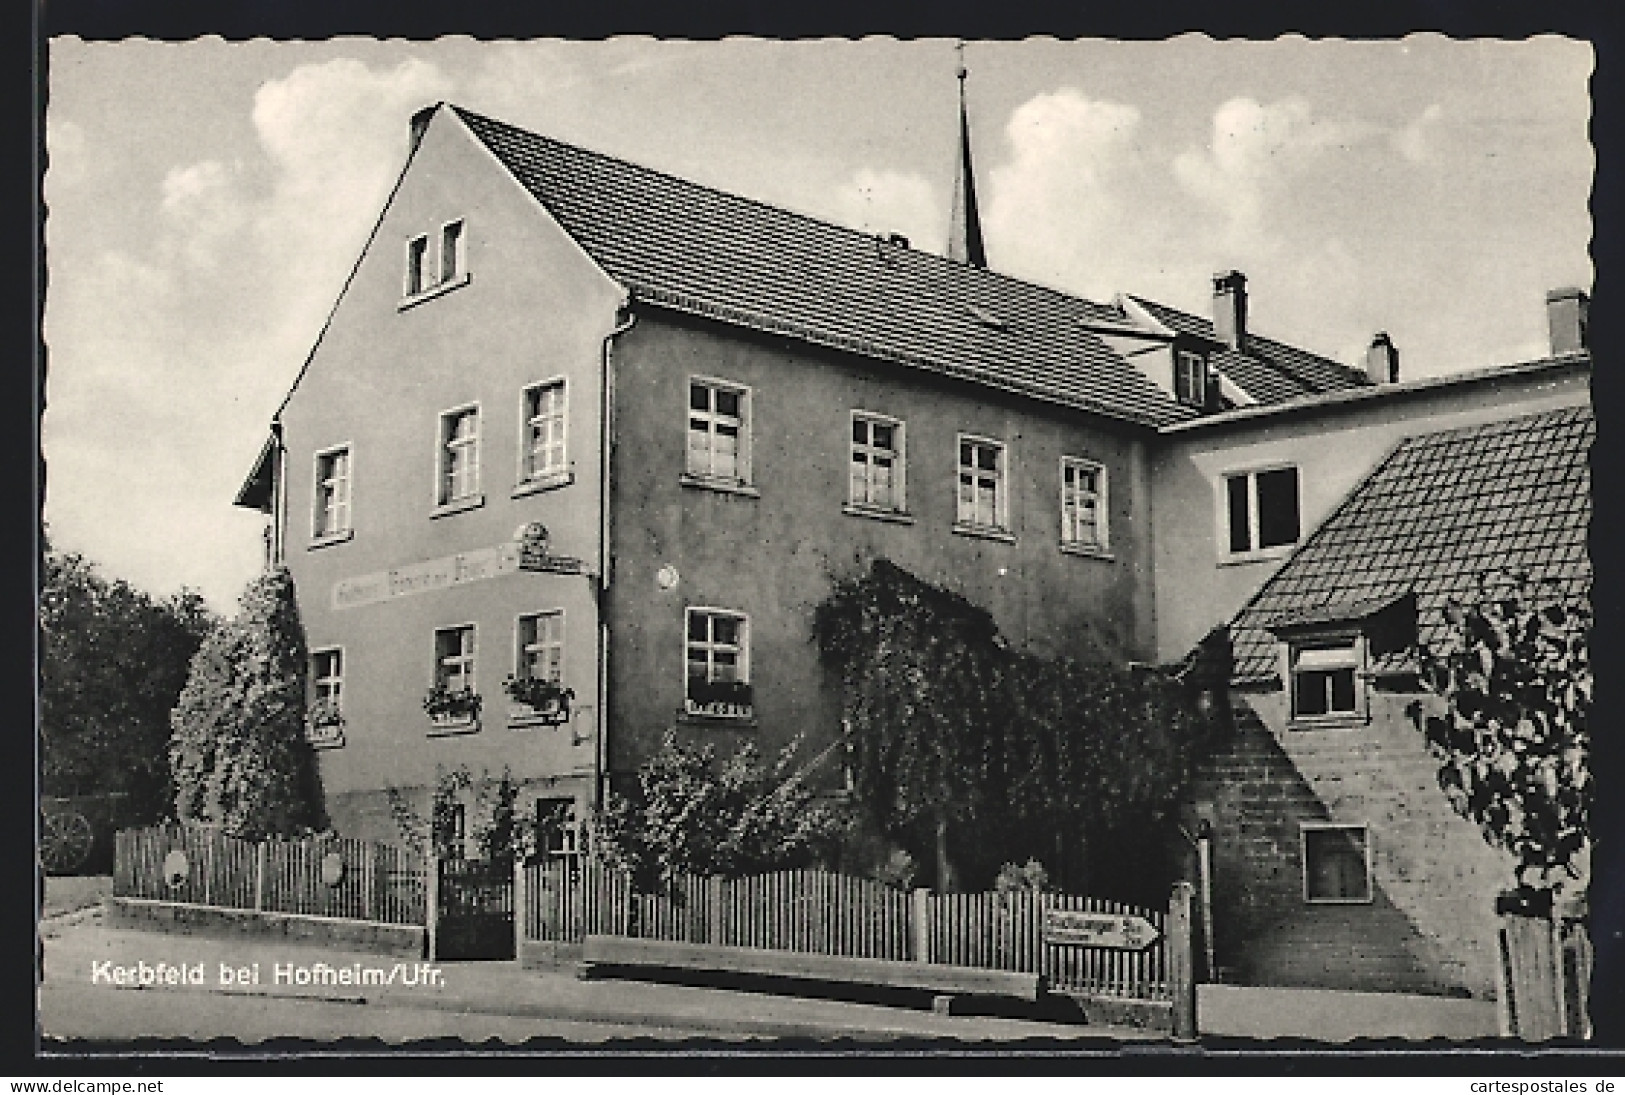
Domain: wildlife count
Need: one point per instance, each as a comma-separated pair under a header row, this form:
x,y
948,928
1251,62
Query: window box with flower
x,y
538,701
324,724
452,708
719,699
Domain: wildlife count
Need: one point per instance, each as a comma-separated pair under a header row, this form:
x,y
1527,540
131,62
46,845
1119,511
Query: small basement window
x,y
1336,864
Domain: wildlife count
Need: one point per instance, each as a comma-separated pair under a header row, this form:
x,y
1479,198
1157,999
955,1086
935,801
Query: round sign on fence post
x,y
175,867
332,869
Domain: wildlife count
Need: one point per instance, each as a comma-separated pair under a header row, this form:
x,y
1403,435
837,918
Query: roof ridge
x,y
942,261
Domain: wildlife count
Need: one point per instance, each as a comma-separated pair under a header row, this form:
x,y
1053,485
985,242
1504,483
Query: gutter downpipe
x,y
606,409
279,499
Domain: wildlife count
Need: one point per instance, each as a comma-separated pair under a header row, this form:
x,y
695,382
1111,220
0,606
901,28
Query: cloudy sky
x,y
206,200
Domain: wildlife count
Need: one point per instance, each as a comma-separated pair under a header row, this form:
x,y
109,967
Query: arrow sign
x,y
1115,931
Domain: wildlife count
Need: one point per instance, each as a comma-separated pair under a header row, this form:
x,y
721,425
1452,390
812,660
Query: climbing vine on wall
x,y
947,724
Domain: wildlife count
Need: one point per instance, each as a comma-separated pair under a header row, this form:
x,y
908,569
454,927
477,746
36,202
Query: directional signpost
x,y
1113,931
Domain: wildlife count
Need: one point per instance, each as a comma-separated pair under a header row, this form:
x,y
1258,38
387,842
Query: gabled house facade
x,y
577,420
612,435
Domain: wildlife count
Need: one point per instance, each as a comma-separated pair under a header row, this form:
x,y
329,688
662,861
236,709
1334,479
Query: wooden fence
x,y
328,876
1545,978
823,913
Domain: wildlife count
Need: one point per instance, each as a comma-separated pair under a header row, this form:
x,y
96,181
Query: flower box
x,y
324,724
719,699
452,708
539,700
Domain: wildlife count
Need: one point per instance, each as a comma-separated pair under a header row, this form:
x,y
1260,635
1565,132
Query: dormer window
x,y
1333,655
1323,679
1190,379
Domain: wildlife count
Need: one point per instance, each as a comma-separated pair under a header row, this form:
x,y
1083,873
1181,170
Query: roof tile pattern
x,y
702,251
1267,370
1443,511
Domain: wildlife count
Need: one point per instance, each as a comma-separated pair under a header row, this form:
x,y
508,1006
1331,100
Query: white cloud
x,y
336,134
169,353
205,207
1254,152
891,201
1061,197
1411,141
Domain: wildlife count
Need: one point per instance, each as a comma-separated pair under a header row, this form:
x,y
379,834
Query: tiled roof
x,y
1267,370
1442,511
688,247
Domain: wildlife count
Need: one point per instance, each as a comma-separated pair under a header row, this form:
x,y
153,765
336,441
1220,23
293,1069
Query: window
x,y
1325,679
1261,510
426,273
558,829
877,462
459,456
324,719
417,265
1190,379
331,517
1083,503
718,431
327,676
543,454
1336,864
451,251
540,654
718,658
981,483
454,658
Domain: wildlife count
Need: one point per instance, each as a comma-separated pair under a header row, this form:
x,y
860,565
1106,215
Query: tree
x,y
113,661
1513,738
238,751
1094,752
694,816
948,725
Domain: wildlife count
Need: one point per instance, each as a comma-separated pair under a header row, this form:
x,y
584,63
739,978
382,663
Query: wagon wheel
x,y
66,840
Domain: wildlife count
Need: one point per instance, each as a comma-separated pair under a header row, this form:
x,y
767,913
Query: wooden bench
x,y
602,953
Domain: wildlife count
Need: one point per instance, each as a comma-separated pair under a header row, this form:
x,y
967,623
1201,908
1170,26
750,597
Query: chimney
x,y
1567,313
1382,360
420,123
1230,308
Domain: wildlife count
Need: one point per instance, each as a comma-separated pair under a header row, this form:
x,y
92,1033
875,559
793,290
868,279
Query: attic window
x,y
1190,379
986,318
435,263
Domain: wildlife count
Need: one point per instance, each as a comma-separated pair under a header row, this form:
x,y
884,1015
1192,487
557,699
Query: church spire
x,y
965,224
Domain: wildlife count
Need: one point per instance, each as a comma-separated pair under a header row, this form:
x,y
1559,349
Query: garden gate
x,y
473,912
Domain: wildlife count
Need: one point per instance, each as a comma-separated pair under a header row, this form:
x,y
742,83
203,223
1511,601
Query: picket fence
x,y
821,912
377,882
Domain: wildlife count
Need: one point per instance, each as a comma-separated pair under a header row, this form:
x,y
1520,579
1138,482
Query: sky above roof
x,y
207,199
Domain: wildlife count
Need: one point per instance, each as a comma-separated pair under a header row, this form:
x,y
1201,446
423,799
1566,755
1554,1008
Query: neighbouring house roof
x,y
698,250
1265,369
1442,512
